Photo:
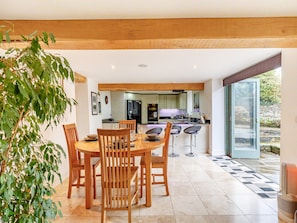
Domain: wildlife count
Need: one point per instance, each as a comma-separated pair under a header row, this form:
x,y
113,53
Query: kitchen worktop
x,y
162,122
174,122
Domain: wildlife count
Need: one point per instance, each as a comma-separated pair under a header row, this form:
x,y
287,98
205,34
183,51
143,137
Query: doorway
x,y
268,124
242,119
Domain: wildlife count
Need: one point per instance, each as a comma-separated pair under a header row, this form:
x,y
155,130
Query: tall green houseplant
x,y
31,96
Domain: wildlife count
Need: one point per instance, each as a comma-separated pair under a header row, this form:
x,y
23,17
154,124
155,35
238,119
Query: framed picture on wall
x,y
94,103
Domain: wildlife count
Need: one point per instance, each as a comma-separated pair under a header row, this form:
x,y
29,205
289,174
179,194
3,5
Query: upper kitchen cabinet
x,y
167,101
182,101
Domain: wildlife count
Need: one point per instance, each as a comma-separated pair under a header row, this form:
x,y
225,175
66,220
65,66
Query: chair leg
x,y
141,180
94,182
103,212
166,181
70,184
78,178
136,188
129,213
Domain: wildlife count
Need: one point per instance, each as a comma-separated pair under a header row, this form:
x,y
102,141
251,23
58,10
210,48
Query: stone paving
x,y
268,165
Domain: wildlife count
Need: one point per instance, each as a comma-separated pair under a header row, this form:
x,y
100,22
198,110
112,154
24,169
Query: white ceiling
x,y
163,66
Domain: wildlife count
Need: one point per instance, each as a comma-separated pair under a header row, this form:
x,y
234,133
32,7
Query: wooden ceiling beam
x,y
79,78
151,87
185,33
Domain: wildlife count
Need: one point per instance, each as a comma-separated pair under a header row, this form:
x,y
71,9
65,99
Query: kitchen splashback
x,y
173,112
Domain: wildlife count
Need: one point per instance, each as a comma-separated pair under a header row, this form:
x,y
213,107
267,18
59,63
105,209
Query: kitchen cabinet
x,y
167,101
182,101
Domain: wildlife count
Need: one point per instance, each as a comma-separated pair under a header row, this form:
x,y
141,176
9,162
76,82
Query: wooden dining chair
x,y
119,179
158,162
76,163
129,124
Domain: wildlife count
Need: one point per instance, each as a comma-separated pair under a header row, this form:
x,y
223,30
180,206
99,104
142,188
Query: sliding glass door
x,y
242,119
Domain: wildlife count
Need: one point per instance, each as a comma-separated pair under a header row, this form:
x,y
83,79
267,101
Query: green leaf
x,y
7,37
45,37
52,37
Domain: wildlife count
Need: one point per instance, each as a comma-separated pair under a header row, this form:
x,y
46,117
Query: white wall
x,y
118,105
85,121
212,105
82,121
288,151
105,108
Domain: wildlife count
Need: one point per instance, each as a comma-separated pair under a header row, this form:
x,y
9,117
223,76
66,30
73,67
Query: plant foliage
x,y
270,92
31,95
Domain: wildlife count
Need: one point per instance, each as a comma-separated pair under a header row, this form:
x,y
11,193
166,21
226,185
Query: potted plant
x,y
31,96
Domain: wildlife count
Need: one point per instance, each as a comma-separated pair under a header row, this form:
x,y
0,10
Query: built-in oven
x,y
152,113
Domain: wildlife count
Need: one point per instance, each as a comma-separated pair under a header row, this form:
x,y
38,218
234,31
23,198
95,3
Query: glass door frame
x,y
230,130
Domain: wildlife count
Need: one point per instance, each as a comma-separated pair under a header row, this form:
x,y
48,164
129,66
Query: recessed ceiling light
x,y
112,67
142,65
195,66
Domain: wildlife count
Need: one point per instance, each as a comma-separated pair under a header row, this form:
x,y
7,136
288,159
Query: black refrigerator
x,y
134,110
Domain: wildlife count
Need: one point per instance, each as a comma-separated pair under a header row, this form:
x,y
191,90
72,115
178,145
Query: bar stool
x,y
192,130
157,131
175,131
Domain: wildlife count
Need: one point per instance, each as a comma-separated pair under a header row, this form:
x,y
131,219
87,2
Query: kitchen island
x,y
182,140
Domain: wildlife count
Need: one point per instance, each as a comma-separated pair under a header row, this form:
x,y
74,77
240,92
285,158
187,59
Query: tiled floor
x,y
200,191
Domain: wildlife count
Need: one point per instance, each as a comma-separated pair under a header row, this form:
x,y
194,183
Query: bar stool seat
x,y
192,130
175,131
157,131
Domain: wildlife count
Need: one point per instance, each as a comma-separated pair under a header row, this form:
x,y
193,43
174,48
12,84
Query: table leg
x,y
88,181
148,177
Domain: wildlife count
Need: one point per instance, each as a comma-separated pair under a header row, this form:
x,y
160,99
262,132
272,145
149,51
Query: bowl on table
x,y
152,137
91,137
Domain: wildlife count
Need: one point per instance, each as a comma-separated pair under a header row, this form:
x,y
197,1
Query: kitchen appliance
x,y
152,113
134,110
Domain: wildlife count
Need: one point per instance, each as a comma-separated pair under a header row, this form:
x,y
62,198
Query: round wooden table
x,y
141,148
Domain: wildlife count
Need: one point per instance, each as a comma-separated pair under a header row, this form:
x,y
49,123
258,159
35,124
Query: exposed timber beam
x,y
151,87
188,33
79,78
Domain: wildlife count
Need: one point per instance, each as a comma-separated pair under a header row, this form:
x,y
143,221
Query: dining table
x,y
141,146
